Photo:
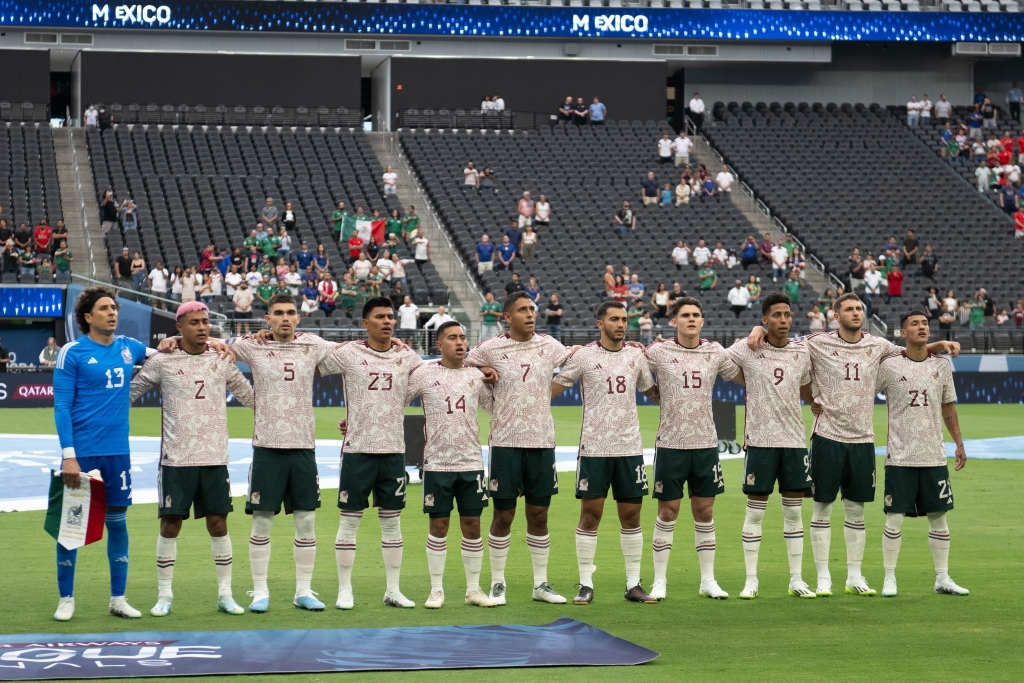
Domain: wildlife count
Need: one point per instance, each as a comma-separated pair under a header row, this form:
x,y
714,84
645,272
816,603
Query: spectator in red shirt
x,y
355,246
1020,148
1018,222
207,259
1007,140
895,279
765,250
41,237
1005,155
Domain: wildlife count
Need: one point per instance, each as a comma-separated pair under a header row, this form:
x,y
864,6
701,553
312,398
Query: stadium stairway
x,y
76,183
466,296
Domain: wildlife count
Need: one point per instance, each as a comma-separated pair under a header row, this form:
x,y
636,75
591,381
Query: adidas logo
x,y
181,372
597,367
66,563
92,361
363,362
836,354
761,355
122,558
903,379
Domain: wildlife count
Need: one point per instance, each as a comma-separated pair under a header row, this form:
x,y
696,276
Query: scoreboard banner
x,y
516,21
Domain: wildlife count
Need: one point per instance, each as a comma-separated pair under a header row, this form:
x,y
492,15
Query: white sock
x,y
304,550
752,534
437,553
586,548
539,547
498,546
892,538
391,545
793,531
704,541
345,547
661,545
938,541
220,547
821,538
856,537
472,560
166,552
632,543
259,552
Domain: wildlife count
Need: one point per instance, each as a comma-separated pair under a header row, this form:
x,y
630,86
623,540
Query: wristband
x,y
68,453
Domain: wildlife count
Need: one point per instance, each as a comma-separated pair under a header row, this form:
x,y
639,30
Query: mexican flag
x,y
364,227
75,516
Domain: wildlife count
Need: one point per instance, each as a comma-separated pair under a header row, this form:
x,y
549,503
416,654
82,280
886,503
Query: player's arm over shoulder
x,y
138,350
724,363
239,386
484,394
148,378
480,355
414,387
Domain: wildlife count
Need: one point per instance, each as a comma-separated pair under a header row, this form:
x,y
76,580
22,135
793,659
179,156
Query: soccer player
x,y
91,383
522,440
376,374
777,375
194,448
611,451
844,366
687,443
453,469
920,396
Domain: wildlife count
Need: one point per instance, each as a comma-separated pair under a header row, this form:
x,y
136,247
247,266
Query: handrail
x,y
474,118
81,198
214,315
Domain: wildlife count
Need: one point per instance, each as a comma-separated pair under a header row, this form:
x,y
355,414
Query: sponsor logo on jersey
x,y
167,501
659,487
583,485
342,496
428,500
254,497
92,361
888,500
493,484
750,479
126,354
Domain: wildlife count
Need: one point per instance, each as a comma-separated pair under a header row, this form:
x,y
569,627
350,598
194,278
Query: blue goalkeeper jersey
x,y
91,392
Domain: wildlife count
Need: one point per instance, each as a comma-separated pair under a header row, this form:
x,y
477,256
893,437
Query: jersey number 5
x,y
289,372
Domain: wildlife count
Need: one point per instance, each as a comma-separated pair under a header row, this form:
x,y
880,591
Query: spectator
x,y
411,224
515,238
524,207
989,115
633,314
682,146
696,108
649,189
11,259
597,112
27,264
1018,222
269,215
6,233
533,290
176,277
41,237
926,110
872,287
338,217
796,263
986,300
701,255
264,291
636,288
976,313
45,270
487,105
910,251
942,110
293,280
724,181
205,289
361,268
929,263
609,281
780,261
231,280
792,288
438,319
207,259
373,281
933,304
310,299
348,293
666,195
542,211
1018,313
856,270
708,278
983,176
284,245
676,294
748,252
720,256
817,322
626,219
355,247
122,268
1013,100
92,115
683,191
832,320
470,177
498,103
913,112
490,310
660,302
321,262
191,282
484,255
393,226
709,191
754,288
328,290
565,110
739,298
975,118
681,255
894,278
390,180
261,235
138,271
48,356
514,285
253,240
1008,199
765,250
580,112
486,181
1002,317
506,255
108,212
62,258
129,215
408,315
529,243
287,220
666,150
620,292
553,316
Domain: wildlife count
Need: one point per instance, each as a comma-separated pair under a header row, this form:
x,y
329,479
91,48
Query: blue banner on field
x,y
565,642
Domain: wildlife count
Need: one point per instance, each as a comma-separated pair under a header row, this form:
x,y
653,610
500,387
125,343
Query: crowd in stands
x,y
580,114
31,255
46,360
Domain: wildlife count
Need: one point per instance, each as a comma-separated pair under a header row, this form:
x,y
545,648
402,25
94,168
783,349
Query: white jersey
x,y
773,376
522,394
450,399
375,384
686,382
843,384
194,420
609,381
915,392
282,373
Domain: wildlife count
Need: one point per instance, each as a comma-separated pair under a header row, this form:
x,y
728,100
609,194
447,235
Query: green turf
x,y
917,636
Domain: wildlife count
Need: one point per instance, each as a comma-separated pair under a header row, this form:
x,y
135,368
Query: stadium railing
x,y
239,115
472,118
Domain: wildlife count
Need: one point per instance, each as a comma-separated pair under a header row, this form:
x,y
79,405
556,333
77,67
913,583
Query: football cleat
x,y
749,591
638,594
259,605
859,586
435,600
396,599
800,589
659,588
478,598
545,593
710,589
824,589
161,609
307,601
889,587
65,609
345,599
227,605
498,593
119,607
947,587
584,597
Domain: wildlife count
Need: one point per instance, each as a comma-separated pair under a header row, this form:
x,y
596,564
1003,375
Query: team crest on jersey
x,y
659,487
935,375
583,485
126,354
888,501
254,497
342,496
167,501
428,500
750,479
493,484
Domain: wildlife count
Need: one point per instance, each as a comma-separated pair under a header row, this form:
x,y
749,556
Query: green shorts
x,y
207,488
515,472
698,467
285,476
626,475
917,490
849,467
383,474
763,466
443,490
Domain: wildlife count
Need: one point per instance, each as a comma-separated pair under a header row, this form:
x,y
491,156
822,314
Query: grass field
x,y
917,636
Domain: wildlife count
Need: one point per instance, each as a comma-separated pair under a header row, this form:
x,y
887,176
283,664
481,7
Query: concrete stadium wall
x,y
25,76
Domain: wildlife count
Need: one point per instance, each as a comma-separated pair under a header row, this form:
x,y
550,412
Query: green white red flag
x,y
75,515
